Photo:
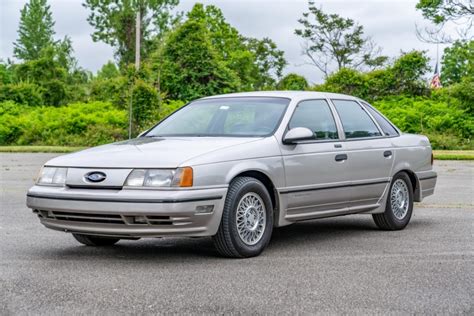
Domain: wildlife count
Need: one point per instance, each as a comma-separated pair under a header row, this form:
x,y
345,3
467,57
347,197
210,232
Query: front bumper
x,y
129,213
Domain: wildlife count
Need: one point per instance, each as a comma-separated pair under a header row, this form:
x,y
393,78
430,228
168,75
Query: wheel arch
x,y
267,182
414,182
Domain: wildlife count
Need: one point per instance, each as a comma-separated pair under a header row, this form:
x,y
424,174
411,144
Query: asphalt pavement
x,y
341,265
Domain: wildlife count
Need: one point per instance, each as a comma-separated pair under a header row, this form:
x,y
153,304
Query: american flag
x,y
436,81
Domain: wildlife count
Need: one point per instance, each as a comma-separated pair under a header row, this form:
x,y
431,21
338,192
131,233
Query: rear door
x,y
369,153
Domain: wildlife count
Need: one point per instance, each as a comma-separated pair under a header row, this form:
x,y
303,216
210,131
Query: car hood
x,y
147,152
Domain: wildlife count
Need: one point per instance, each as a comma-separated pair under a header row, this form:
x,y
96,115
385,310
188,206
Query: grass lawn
x,y
39,149
453,154
438,154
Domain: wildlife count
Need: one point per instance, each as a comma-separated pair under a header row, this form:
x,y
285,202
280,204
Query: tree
x,y
256,62
293,82
190,66
108,71
63,53
226,42
331,39
408,73
224,37
6,72
35,31
458,13
405,76
55,71
269,61
114,21
457,62
440,11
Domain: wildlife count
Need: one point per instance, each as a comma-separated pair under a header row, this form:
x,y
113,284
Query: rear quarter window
x,y
385,125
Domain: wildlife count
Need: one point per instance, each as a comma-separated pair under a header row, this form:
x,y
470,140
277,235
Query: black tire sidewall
x,y
257,187
390,216
90,240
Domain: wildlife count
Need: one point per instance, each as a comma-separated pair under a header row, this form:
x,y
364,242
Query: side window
x,y
355,121
386,126
315,115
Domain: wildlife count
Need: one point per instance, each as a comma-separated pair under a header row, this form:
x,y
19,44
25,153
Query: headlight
x,y
52,176
181,177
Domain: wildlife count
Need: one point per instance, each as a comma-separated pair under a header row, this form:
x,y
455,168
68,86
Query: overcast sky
x,y
391,24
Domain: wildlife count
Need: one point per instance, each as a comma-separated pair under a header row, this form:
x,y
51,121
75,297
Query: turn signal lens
x,y
186,178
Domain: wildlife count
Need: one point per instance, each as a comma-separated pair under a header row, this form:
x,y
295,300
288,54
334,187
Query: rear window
x,y
355,121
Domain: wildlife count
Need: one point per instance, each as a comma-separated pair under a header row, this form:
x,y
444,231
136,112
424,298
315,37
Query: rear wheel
x,y
399,206
247,220
95,240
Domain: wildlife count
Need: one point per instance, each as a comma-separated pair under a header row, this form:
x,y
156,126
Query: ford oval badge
x,y
95,176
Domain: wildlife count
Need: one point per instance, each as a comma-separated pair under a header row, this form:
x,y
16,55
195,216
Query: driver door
x,y
317,176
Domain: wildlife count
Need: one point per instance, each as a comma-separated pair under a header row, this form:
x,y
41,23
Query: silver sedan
x,y
234,167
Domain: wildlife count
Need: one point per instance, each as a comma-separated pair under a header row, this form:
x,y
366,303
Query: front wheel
x,y
95,240
247,219
399,206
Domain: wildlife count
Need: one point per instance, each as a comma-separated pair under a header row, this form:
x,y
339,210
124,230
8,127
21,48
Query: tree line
x,y
198,53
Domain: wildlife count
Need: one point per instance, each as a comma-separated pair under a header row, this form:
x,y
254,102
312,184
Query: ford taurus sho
x,y
233,167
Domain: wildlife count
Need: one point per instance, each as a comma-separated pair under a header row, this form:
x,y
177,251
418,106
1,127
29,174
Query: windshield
x,y
252,116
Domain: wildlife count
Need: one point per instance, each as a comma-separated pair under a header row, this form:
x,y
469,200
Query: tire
x,y
95,240
397,215
255,220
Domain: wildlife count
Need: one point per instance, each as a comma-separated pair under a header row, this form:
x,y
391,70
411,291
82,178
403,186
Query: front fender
x,y
271,167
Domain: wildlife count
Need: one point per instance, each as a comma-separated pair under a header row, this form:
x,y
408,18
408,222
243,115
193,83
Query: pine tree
x,y
35,31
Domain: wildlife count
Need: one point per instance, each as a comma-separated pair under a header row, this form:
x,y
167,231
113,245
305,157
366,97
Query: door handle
x,y
341,157
387,153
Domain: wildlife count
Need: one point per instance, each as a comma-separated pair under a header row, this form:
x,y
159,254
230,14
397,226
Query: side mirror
x,y
297,134
142,133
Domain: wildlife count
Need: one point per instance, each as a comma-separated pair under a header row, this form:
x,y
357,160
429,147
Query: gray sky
x,y
391,24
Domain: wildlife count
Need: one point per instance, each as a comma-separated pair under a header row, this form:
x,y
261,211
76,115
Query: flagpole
x,y
437,55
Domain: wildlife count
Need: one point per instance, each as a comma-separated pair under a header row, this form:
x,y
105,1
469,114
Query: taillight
x,y
432,158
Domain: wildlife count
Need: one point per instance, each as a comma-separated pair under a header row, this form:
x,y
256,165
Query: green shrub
x,y
444,119
447,125
54,92
9,130
459,94
145,102
72,125
6,73
169,107
115,90
292,81
403,77
22,93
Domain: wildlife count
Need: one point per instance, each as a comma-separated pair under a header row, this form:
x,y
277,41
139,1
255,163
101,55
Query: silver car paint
x,y
308,183
146,152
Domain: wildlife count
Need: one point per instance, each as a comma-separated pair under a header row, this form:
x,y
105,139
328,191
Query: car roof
x,y
286,94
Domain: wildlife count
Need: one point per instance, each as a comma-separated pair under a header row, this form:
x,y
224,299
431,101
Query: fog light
x,y
140,220
204,209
